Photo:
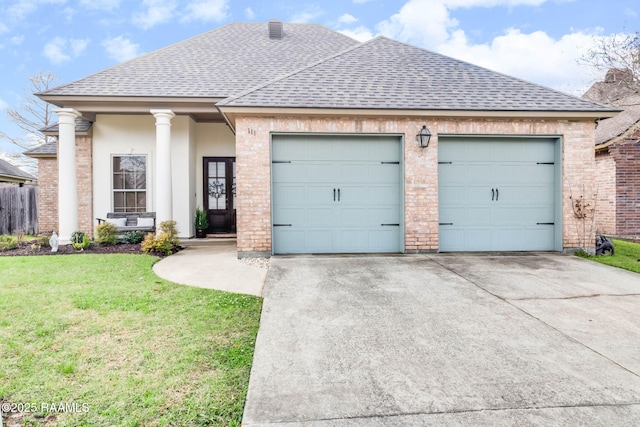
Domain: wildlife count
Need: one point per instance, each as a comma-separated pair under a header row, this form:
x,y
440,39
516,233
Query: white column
x,y
67,179
163,184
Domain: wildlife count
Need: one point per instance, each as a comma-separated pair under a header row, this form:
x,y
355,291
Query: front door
x,y
220,193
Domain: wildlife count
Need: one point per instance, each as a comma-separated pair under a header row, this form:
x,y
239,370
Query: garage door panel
x,y
369,193
500,185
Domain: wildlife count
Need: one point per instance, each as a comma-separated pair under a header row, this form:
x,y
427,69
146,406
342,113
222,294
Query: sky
x,y
540,41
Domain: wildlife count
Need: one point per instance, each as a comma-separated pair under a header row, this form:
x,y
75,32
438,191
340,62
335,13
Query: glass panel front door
x,y
219,193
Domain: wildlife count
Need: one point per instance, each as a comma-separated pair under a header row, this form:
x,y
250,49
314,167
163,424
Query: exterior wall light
x,y
423,137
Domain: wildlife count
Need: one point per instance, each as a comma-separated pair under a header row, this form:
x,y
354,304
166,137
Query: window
x,y
129,183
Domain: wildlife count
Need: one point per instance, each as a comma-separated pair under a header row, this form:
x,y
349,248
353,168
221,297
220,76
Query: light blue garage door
x,y
336,194
497,194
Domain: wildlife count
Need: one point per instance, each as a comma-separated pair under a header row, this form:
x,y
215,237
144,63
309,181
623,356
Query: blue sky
x,y
537,40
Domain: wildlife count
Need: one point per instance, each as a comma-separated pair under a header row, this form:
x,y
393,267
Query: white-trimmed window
x,y
129,183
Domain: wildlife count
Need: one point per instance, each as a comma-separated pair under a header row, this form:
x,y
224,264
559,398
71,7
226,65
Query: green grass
x,y
626,256
104,331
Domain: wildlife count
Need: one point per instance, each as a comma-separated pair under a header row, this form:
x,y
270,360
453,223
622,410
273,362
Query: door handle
x,y
493,194
338,194
497,194
334,194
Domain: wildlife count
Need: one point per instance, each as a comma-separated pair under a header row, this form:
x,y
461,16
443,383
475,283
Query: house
x,y
11,175
617,147
301,140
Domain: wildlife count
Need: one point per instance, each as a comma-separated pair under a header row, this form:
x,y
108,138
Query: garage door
x,y
336,194
497,195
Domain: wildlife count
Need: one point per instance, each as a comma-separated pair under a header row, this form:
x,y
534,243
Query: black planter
x,y
201,234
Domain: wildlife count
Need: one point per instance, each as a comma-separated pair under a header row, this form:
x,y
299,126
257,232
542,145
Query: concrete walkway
x,y
453,340
215,266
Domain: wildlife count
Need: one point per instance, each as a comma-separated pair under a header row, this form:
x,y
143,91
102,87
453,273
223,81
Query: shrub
x,y
106,234
134,236
165,242
79,240
8,242
42,240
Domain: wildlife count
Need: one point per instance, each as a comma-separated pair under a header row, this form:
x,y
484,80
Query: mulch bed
x,y
26,248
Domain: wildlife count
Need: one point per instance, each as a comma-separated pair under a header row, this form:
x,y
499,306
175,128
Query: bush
x,y
79,240
8,242
42,240
134,237
106,234
166,241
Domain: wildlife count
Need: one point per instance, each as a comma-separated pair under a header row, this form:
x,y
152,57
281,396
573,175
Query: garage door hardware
x,y
545,223
495,194
445,223
281,161
282,225
390,163
545,163
445,163
390,225
334,194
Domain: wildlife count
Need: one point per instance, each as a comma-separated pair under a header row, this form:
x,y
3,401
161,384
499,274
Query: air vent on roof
x,y
275,29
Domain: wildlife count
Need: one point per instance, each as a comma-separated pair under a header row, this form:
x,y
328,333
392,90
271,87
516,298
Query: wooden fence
x,y
18,210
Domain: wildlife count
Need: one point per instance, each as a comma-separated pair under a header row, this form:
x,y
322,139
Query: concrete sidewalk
x,y
536,339
214,266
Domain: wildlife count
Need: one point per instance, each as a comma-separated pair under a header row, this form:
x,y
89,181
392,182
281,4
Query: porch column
x,y
164,183
67,179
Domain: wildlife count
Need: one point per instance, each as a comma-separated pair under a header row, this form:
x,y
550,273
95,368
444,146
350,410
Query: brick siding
x,y
47,194
606,181
420,165
626,154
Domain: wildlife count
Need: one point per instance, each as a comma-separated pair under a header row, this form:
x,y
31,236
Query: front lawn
x,y
626,256
116,345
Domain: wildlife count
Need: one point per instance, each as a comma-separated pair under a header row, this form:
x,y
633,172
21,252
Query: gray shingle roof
x,y
216,64
46,149
387,74
82,126
616,126
9,170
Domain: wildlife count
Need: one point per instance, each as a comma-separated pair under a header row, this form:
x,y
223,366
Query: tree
x,y
31,115
619,57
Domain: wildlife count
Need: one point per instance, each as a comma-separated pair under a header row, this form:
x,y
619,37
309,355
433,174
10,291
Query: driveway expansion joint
x,y
571,297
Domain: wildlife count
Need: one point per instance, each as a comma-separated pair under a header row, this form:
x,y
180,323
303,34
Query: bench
x,y
128,221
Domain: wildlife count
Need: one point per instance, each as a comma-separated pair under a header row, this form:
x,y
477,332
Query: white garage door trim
x,y
367,179
471,240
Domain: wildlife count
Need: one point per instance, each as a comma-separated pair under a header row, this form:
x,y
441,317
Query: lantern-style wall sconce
x,y
423,137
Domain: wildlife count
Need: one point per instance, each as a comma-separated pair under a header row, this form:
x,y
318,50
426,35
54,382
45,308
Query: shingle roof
x,y
9,170
387,74
82,126
616,126
216,64
46,149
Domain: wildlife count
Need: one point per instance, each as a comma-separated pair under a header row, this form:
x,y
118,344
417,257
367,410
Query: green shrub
x,y
79,240
8,242
42,240
165,242
134,237
106,234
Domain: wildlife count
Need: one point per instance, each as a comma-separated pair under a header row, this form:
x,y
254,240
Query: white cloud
x,y
362,34
3,28
3,104
347,19
21,8
307,16
157,12
206,10
61,50
630,13
68,13
101,4
121,49
361,1
249,13
17,40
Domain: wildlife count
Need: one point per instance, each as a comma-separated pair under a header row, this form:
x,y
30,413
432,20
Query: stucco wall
x,y
421,169
606,182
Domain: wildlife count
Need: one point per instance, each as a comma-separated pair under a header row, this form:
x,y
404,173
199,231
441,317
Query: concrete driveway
x,y
535,339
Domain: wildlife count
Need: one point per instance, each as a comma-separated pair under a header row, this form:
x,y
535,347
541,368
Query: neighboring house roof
x,y
82,127
608,130
11,173
216,64
387,74
48,149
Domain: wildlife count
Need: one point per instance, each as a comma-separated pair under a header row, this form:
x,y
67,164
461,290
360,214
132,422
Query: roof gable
x,y
216,64
387,74
9,170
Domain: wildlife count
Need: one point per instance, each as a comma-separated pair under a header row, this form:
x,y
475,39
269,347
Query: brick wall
x,y
47,194
421,169
606,182
48,189
626,154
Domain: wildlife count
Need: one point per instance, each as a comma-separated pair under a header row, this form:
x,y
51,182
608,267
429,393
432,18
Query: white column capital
x,y
67,115
163,117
